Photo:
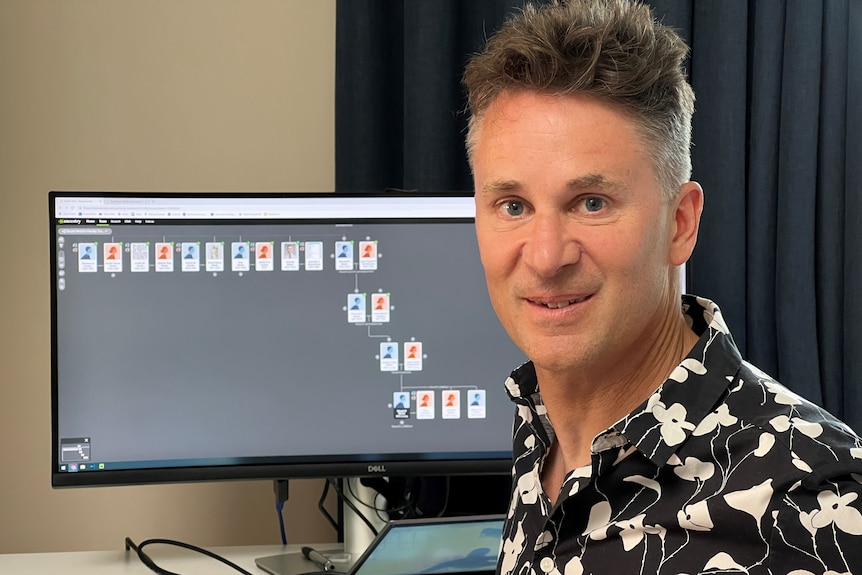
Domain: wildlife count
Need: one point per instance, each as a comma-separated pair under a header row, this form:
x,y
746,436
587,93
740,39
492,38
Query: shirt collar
x,y
659,426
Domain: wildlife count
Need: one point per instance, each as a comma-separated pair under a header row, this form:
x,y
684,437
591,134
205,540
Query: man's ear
x,y
688,206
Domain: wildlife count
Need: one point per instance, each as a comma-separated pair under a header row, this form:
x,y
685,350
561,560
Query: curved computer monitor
x,y
252,336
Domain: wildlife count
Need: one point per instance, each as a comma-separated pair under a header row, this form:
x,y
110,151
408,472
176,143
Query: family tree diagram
x,y
365,305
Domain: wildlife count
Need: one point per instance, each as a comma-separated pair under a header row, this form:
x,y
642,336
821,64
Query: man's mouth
x,y
560,304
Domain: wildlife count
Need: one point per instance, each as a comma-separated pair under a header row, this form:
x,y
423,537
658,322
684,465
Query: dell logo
x,y
376,469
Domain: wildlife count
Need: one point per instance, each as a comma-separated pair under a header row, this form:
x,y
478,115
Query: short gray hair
x,y
612,50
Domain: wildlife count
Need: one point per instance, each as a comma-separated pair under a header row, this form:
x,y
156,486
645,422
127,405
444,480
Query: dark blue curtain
x,y
778,149
399,106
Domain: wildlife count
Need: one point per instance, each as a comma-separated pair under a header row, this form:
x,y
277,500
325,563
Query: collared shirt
x,y
721,470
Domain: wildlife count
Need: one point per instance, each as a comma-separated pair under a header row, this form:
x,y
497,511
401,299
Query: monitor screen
x,y
252,336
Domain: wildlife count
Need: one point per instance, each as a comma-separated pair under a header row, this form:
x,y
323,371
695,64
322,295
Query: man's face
x,y
573,230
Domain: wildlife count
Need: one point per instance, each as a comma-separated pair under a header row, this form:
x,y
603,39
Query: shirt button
x,y
547,564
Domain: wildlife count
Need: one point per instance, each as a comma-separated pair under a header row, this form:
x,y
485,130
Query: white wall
x,y
186,95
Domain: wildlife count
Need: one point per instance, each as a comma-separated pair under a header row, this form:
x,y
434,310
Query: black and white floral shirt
x,y
721,470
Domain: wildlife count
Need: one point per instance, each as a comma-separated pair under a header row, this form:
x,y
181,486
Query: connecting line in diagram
x,y
372,335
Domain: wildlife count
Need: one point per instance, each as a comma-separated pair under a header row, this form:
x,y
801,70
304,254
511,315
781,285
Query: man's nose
x,y
550,245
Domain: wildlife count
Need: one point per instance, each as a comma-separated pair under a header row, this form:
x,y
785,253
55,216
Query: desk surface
x,y
171,558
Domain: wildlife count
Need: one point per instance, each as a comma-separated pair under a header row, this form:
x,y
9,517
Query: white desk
x,y
120,562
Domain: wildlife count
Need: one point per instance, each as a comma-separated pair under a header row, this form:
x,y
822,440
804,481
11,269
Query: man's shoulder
x,y
760,398
811,436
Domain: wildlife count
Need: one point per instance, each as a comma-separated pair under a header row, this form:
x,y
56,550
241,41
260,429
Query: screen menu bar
x,y
192,208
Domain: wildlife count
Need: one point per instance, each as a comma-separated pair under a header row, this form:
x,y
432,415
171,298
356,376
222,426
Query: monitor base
x,y
296,563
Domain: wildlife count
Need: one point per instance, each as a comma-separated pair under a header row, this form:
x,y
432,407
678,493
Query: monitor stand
x,y
357,535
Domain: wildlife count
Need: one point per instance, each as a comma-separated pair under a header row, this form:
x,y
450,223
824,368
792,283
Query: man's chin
x,y
559,355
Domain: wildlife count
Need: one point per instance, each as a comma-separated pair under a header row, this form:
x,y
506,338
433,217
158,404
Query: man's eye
x,y
513,208
594,204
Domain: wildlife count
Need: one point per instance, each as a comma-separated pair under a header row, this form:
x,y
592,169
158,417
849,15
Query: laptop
x,y
467,544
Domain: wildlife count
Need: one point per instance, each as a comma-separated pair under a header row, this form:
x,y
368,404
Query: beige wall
x,y
156,95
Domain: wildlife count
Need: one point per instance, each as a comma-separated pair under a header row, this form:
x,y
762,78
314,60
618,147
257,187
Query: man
x,y
643,443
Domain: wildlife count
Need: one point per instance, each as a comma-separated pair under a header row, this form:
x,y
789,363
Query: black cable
x,y
446,497
353,507
324,511
146,560
371,506
406,507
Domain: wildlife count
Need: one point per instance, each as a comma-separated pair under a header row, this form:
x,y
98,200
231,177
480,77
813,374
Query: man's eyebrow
x,y
498,187
595,182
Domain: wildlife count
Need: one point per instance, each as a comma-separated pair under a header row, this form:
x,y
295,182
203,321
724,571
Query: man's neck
x,y
583,404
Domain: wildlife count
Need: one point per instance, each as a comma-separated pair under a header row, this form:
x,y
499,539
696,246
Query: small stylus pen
x,y
318,558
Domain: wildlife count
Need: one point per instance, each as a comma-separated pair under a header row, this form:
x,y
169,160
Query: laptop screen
x,y
442,545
